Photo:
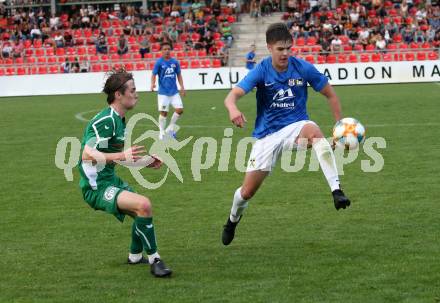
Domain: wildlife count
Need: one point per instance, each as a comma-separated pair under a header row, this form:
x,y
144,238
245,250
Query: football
x,y
348,133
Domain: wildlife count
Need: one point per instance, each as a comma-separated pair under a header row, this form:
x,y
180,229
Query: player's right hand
x,y
237,118
133,153
153,86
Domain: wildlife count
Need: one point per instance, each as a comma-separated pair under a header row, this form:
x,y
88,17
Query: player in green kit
x,y
102,148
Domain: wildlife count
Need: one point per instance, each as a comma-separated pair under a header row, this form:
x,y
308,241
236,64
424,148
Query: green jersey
x,y
106,133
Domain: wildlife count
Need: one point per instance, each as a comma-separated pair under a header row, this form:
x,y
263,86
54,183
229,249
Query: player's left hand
x,y
157,162
182,92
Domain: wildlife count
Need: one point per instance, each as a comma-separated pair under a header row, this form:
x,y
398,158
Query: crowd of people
x,y
356,25
364,25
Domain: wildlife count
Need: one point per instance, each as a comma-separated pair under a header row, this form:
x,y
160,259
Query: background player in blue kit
x,y
168,70
250,58
282,120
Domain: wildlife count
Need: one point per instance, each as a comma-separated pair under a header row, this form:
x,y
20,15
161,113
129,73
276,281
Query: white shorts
x,y
266,151
163,102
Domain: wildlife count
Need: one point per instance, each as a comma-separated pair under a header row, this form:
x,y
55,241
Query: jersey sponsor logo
x,y
110,193
169,71
268,84
149,226
252,162
106,127
287,105
282,94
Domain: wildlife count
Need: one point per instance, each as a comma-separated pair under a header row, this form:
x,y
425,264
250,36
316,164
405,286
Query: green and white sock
x,y
145,229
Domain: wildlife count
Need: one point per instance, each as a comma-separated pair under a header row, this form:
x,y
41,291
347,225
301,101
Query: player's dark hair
x,y
277,32
116,81
165,43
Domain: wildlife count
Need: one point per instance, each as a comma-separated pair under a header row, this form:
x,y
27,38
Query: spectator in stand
x,y
208,41
335,44
58,39
255,9
212,26
66,66
250,58
224,55
84,66
266,8
6,50
196,6
364,35
101,44
403,9
17,49
430,34
122,45
189,45
295,31
54,22
173,33
95,24
233,6
226,31
419,35
407,34
144,46
36,33
216,8
381,44
325,45
74,67
164,38
68,39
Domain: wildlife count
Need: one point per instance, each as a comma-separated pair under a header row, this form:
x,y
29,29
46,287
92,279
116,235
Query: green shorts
x,y
105,197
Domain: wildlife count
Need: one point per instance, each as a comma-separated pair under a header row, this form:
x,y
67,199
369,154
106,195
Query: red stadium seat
x,y
42,70
126,56
300,41
10,71
91,50
426,45
311,41
342,58
205,63
52,60
60,51
38,43
352,58
49,52
131,40
21,71
376,57
39,52
2,72
155,47
331,59
387,57
30,60
195,64
19,60
310,58
183,64
365,58
421,56
41,60
150,65
370,47
96,68
113,49
134,48
137,56
433,56
81,51
104,58
140,66
28,52
321,59
216,63
114,57
129,66
217,36
201,53
409,57
53,69
148,56
191,54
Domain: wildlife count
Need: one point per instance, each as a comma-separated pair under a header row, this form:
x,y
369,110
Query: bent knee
x,y
144,207
179,111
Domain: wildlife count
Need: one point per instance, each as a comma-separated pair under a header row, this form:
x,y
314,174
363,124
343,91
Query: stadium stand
x,y
100,37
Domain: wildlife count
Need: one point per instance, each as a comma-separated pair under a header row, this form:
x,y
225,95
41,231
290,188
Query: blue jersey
x,y
250,56
281,97
167,71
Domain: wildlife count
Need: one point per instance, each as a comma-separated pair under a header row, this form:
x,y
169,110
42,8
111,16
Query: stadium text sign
x,y
222,78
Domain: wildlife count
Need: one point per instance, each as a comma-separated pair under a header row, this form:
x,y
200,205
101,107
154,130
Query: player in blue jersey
x,y
168,70
282,121
250,58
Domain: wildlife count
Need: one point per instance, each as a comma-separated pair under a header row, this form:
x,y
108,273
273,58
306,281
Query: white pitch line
x,y
80,116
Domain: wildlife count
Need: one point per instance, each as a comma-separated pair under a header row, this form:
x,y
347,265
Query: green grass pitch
x,y
291,246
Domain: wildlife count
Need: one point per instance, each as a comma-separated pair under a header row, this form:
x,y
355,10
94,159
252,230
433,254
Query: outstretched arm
x,y
333,101
236,117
